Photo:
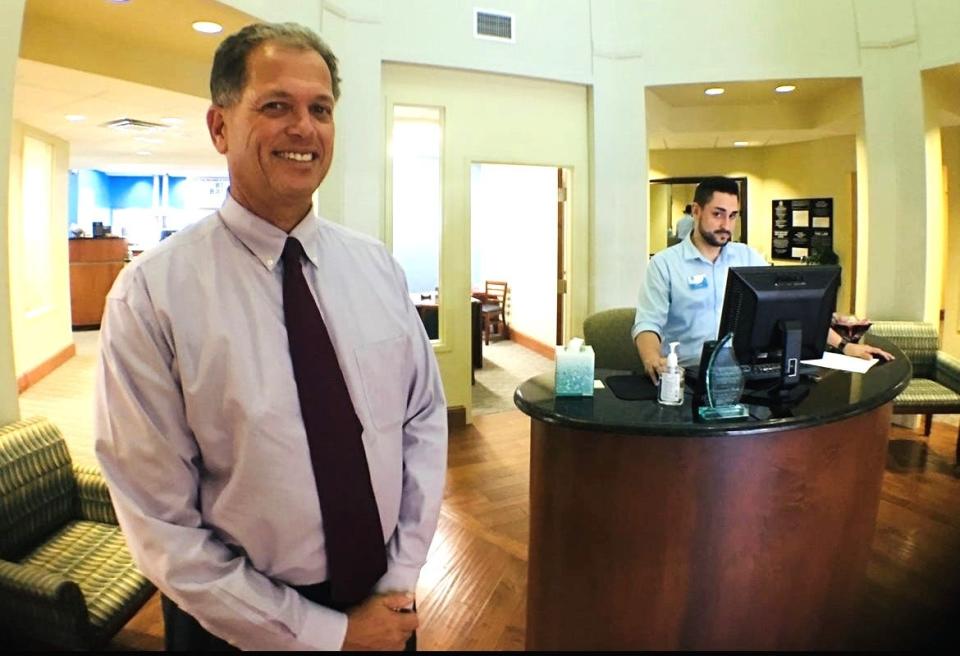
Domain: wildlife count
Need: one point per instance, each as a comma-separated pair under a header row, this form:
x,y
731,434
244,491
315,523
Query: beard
x,y
717,238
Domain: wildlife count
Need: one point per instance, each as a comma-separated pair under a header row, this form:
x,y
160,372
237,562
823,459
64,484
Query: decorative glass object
x,y
724,382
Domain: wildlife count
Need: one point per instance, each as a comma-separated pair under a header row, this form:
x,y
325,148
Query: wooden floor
x,y
472,592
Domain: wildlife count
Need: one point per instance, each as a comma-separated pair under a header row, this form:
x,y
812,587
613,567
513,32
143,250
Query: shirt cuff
x,y
324,629
398,579
645,326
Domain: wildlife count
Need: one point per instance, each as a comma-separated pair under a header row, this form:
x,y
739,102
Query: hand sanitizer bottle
x,y
671,380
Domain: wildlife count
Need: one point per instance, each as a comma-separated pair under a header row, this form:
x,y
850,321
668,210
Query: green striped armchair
x,y
66,577
935,386
608,332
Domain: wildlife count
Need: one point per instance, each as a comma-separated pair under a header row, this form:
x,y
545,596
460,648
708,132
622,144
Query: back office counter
x,y
649,530
94,265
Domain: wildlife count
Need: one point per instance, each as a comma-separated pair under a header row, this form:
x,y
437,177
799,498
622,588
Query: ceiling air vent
x,y
494,25
134,125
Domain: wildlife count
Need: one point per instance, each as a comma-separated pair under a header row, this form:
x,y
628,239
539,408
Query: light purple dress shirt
x,y
199,432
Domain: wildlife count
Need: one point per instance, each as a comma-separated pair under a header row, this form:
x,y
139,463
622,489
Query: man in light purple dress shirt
x,y
198,425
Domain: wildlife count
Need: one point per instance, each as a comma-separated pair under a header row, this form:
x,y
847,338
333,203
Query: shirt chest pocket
x,y
384,373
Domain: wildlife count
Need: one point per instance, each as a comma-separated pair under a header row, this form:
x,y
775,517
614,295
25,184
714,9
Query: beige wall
x,y
498,119
819,168
660,214
815,169
951,279
39,269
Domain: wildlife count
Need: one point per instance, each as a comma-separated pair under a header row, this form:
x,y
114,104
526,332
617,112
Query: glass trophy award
x,y
724,384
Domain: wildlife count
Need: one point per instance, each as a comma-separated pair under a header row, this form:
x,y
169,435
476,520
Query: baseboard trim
x,y
34,376
526,341
456,417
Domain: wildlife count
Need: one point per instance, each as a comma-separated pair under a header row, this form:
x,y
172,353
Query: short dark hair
x,y
707,187
228,75
687,209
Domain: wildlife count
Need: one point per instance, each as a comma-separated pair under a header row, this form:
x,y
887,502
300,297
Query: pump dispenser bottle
x,y
671,380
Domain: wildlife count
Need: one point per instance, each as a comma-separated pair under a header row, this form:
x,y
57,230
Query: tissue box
x,y
574,372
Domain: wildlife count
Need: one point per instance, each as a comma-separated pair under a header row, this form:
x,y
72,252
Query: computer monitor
x,y
779,315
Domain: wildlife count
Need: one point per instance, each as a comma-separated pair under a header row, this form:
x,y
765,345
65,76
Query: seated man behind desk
x,y
682,295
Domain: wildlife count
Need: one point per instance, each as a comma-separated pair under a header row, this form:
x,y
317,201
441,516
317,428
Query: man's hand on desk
x,y
655,366
382,622
865,352
648,347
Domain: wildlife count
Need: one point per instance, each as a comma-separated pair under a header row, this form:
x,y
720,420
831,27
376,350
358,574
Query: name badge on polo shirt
x,y
697,281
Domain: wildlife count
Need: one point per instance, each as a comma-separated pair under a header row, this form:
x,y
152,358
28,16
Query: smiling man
x,y
682,294
269,414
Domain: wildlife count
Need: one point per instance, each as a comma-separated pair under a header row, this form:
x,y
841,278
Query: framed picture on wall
x,y
802,228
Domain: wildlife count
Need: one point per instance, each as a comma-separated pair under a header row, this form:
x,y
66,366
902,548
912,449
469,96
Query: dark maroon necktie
x,y
356,555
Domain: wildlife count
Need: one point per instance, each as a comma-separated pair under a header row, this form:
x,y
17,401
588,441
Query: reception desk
x,y
94,265
650,530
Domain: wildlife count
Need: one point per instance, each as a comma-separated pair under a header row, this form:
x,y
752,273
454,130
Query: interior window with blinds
x,y
415,147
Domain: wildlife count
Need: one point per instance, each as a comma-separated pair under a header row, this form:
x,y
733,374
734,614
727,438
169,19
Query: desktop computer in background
x,y
779,315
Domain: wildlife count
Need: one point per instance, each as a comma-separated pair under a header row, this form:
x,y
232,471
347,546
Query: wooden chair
x,y
493,310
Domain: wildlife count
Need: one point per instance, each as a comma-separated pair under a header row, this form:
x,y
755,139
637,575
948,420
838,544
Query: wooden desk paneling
x,y
94,265
731,543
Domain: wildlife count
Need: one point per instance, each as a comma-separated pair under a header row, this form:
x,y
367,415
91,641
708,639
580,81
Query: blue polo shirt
x,y
682,295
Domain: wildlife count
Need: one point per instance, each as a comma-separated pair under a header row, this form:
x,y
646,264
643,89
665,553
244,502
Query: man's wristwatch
x,y
842,344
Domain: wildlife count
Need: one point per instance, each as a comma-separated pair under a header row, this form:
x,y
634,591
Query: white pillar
x,y
11,20
352,194
619,238
896,276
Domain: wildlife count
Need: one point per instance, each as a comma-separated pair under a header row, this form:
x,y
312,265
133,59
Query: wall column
x,y
619,235
352,194
897,260
11,21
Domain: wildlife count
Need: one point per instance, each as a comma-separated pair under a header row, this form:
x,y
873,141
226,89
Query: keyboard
x,y
771,370
756,372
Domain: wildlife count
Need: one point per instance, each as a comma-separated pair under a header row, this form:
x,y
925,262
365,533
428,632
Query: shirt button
x,y
269,262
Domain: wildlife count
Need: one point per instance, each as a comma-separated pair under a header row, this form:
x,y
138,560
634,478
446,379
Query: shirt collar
x,y
266,240
691,252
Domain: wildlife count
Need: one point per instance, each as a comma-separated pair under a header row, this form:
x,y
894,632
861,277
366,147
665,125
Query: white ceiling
x,y
682,116
44,94
750,93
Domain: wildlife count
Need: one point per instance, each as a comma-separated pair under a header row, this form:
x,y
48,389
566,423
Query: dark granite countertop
x,y
833,396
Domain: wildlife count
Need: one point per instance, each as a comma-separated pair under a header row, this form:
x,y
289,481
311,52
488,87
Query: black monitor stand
x,y
791,333
775,395
786,389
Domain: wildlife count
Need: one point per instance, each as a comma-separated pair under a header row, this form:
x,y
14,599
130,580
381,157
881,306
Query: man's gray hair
x,y
229,73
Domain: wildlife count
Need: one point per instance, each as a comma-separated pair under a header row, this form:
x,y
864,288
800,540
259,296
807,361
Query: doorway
x,y
519,218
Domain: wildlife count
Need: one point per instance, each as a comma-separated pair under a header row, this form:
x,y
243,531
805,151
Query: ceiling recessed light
x,y
785,88
75,118
144,152
208,27
714,91
741,144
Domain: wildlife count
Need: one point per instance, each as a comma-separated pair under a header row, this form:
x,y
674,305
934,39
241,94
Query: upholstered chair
x,y
66,578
